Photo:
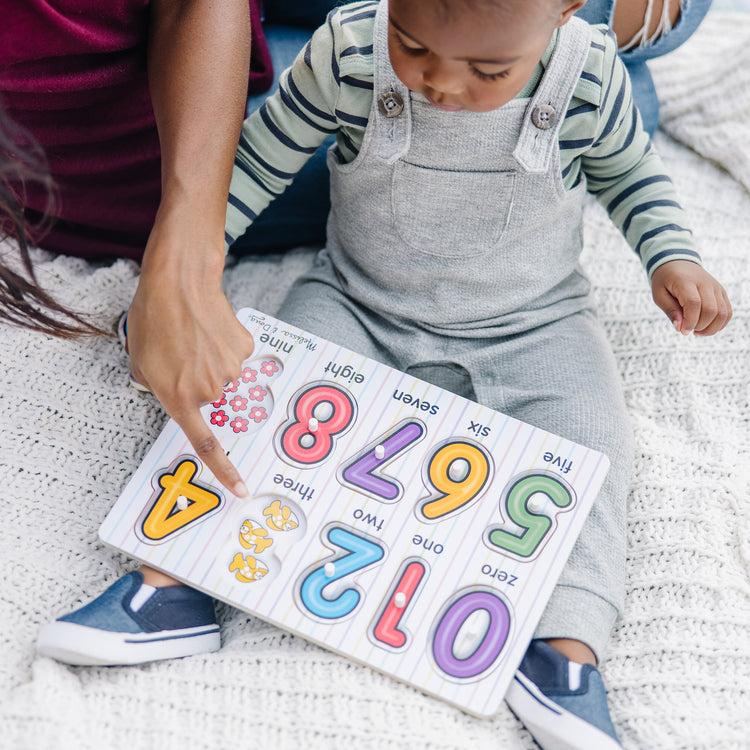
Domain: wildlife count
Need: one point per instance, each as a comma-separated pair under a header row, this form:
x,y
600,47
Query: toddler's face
x,y
476,61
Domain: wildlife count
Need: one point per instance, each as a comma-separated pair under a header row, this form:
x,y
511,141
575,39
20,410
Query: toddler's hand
x,y
692,299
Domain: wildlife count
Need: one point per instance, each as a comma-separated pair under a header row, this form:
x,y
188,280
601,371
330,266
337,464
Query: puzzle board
x,y
392,521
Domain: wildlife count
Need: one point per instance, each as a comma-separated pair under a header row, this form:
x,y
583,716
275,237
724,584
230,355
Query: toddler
x,y
467,134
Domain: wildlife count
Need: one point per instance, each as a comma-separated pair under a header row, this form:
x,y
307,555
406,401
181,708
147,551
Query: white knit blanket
x,y
678,670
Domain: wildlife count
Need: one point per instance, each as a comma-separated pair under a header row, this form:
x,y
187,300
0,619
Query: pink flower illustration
x,y
221,402
238,403
269,367
257,393
238,424
219,418
249,375
258,414
232,387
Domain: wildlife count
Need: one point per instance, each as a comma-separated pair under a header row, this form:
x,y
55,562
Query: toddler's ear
x,y
570,8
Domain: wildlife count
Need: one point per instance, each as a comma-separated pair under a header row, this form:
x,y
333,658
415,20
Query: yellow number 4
x,y
178,502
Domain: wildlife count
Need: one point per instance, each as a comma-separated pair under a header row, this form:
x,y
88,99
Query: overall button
x,y
390,104
543,116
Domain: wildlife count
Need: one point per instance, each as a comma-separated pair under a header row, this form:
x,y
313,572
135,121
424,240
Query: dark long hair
x,y
23,302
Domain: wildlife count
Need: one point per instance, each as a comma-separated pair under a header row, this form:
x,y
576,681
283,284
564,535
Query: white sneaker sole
x,y
83,646
550,725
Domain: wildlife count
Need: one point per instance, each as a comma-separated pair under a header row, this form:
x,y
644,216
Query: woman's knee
x,y
639,23
651,28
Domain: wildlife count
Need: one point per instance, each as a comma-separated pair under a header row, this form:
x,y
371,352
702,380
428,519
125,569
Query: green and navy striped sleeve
x,y
327,91
602,138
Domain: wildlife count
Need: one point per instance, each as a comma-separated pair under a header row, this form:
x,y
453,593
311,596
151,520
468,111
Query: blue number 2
x,y
361,553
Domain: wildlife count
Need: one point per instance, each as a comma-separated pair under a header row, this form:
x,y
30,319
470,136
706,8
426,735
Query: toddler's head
x,y
471,54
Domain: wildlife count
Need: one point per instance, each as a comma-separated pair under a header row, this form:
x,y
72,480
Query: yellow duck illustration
x,y
280,516
252,537
247,569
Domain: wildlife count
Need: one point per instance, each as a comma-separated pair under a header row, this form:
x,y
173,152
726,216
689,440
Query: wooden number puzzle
x,y
392,521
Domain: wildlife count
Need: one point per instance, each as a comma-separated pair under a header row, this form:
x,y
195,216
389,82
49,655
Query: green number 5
x,y
524,504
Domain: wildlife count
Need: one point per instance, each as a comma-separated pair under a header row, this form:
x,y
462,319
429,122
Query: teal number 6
x,y
521,499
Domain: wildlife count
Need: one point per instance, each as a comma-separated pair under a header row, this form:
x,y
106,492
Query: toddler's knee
x,y
613,436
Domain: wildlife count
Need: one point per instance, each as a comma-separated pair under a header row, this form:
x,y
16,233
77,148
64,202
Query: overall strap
x,y
545,114
391,106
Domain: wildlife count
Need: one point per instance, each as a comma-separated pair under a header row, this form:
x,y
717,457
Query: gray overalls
x,y
453,255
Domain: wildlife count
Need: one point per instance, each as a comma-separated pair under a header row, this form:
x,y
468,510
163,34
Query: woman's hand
x,y
185,344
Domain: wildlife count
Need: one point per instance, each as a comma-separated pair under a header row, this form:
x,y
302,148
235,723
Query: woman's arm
x,y
184,340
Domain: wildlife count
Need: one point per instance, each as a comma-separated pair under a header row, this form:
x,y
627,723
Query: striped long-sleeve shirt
x,y
329,90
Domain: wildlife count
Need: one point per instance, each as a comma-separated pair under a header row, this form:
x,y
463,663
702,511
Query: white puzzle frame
x,y
380,518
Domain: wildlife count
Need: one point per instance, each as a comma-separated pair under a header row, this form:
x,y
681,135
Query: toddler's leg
x,y
144,616
316,304
563,378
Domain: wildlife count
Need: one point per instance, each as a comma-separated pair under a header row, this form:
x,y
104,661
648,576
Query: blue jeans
x,y
299,216
644,93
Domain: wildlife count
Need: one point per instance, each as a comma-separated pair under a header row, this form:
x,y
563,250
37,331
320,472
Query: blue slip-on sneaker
x,y
133,623
563,704
122,334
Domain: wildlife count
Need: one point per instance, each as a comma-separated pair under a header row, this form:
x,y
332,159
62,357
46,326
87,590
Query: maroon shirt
x,y
73,74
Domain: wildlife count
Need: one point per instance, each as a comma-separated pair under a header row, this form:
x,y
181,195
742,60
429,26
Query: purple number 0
x,y
492,643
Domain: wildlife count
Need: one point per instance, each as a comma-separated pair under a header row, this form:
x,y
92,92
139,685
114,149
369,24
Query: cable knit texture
x,y
678,667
